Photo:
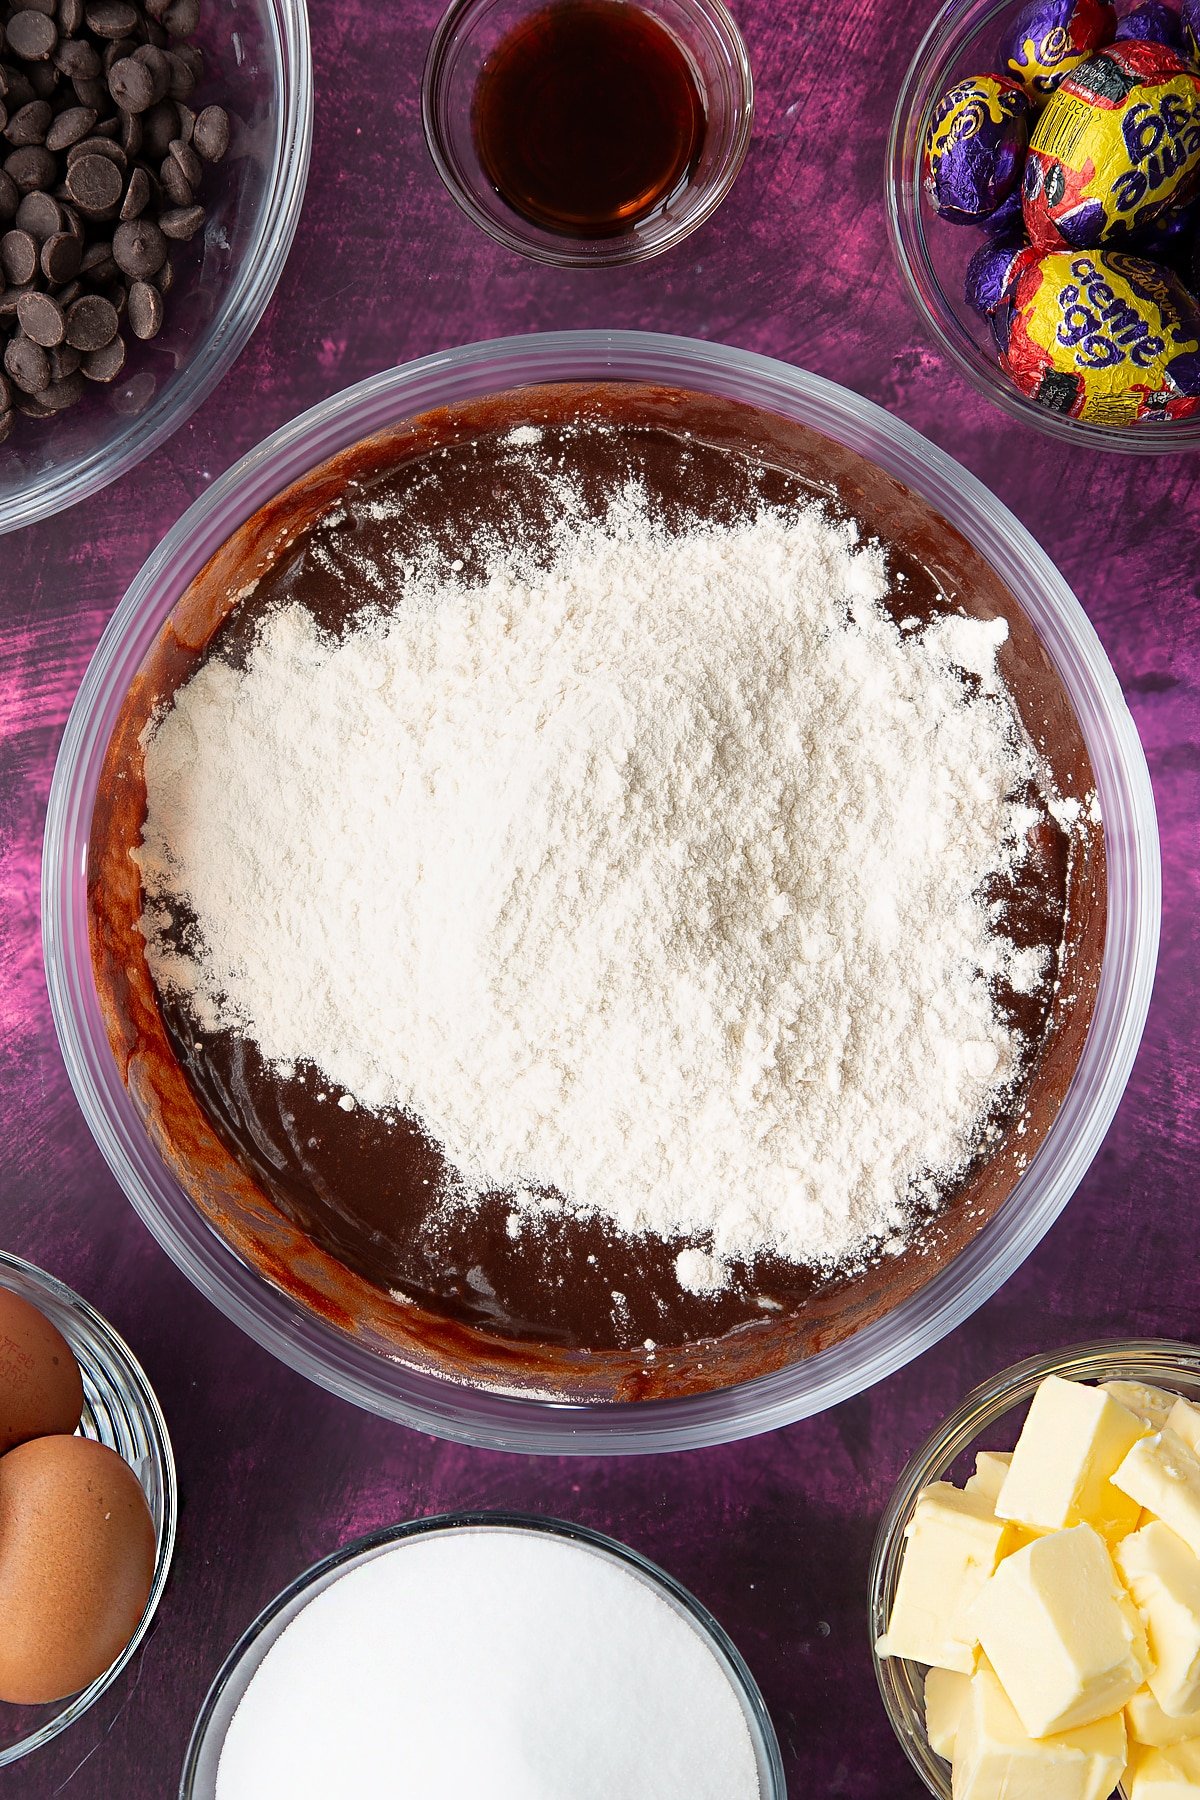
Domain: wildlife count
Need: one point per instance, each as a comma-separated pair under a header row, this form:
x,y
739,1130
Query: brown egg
x,y
41,1390
77,1550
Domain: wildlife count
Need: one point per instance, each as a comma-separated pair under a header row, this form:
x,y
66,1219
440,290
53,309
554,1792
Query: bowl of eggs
x,y
87,1506
1043,197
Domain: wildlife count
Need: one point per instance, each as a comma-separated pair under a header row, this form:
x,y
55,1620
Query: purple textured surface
x,y
774,1535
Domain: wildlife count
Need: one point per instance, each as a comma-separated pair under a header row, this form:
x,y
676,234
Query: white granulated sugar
x,y
492,1662
652,876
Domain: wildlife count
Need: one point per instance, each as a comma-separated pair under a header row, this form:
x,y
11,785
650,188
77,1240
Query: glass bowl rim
x,y
599,253
135,1386
1148,1360
227,333
946,35
532,1423
362,1549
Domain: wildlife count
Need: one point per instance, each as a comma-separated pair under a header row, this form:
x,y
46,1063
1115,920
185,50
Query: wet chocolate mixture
x,y
366,1188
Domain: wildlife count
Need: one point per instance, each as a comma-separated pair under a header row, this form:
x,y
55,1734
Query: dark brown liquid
x,y
587,117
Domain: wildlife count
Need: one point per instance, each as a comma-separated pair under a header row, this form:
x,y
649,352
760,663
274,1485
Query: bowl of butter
x,y
1035,1583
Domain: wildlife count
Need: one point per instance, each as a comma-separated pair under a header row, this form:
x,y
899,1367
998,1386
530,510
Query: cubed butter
x,y
1073,1438
953,1542
1164,1578
1147,1723
1061,1633
1184,1420
1150,1404
995,1759
1163,1475
1172,1774
991,1467
945,1696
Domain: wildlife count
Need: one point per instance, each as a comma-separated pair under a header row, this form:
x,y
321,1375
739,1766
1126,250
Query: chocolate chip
x,y
6,393
156,60
186,160
111,18
56,396
66,295
175,184
70,16
145,310
32,166
137,195
30,124
132,85
41,319
106,363
78,60
97,146
91,322
27,363
90,92
164,281
131,133
60,258
10,196
139,247
43,79
187,121
64,360
7,420
159,127
31,35
94,184
211,136
19,256
97,264
182,17
17,90
187,68
181,223
70,127
40,215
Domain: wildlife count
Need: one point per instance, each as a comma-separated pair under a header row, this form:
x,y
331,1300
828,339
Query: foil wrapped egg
x,y
975,147
1105,337
1117,147
1048,38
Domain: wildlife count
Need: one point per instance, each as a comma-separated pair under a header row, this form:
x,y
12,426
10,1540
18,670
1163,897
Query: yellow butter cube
x,y
1147,1723
1184,1420
1073,1438
1163,1475
995,1759
1150,1404
945,1696
952,1544
1172,1774
991,1467
1061,1633
1164,1578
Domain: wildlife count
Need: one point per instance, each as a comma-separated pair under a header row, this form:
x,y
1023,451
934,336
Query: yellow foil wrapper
x,y
1105,337
1117,145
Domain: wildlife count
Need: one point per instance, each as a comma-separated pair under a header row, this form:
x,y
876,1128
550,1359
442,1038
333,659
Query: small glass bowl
x,y
990,1418
259,67
703,29
120,1410
933,254
199,1778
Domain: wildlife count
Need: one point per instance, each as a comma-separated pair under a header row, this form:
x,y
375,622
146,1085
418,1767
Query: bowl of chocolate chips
x,y
153,158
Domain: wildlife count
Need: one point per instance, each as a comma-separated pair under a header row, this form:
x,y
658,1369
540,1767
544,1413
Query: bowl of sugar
x,y
554,1658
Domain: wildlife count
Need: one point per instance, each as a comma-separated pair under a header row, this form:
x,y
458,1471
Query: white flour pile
x,y
488,1662
653,877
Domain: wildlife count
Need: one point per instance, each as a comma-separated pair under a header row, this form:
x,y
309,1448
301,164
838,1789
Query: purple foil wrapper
x,y
1155,23
1048,38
